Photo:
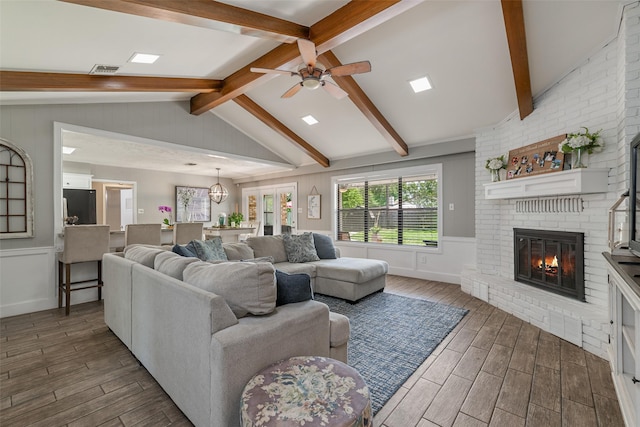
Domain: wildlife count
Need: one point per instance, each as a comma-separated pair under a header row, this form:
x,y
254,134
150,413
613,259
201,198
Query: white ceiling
x,y
460,45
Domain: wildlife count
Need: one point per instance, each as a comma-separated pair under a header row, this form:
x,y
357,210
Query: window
x,y
16,176
396,207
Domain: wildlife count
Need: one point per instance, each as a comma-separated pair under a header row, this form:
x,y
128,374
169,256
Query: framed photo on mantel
x,y
535,159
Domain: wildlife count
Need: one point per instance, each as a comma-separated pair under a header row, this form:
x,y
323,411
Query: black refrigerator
x,y
81,203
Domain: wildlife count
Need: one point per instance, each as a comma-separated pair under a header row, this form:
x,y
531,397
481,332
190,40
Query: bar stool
x,y
146,234
184,232
82,243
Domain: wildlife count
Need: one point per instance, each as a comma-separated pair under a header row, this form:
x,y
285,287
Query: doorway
x,y
275,207
115,203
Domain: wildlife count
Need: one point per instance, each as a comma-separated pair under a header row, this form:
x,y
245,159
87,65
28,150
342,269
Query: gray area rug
x,y
391,336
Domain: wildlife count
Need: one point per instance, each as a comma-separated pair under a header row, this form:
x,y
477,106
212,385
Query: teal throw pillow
x,y
300,248
182,251
208,250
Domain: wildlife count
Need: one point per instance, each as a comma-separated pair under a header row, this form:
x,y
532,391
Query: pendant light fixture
x,y
217,192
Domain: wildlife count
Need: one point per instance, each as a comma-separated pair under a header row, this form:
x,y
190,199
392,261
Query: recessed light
x,y
144,58
216,157
68,150
310,120
421,84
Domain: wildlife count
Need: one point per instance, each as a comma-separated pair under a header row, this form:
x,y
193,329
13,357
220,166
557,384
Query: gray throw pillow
x,y
293,288
300,248
208,250
324,246
247,287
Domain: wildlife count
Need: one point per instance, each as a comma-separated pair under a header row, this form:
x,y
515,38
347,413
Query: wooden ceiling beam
x,y
362,101
352,19
516,37
206,14
263,115
25,81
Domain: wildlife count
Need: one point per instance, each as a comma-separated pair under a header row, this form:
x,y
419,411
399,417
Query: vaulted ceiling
x,y
485,59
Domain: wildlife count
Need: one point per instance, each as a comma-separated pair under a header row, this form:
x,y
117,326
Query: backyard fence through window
x,y
402,210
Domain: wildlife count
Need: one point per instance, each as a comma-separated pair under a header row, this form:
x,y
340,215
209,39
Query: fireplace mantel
x,y
576,181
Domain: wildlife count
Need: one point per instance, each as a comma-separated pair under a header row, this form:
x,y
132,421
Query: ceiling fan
x,y
313,73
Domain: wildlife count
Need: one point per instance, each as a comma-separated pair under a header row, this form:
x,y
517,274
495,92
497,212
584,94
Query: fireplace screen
x,y
550,260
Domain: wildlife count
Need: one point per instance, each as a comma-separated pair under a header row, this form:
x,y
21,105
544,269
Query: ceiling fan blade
x,y
334,90
348,69
308,52
271,71
292,91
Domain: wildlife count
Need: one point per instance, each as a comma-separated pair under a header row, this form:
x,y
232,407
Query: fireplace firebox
x,y
551,260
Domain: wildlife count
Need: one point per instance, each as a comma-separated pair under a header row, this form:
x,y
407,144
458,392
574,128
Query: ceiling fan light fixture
x,y
217,192
311,83
421,84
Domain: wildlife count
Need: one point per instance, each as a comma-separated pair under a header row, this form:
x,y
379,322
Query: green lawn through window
x,y
390,235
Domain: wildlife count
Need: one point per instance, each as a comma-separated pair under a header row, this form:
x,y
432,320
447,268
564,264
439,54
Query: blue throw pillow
x,y
292,288
208,250
182,251
324,246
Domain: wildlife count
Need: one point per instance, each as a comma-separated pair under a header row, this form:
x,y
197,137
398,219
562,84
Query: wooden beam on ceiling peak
x,y
206,14
516,37
366,106
353,19
266,118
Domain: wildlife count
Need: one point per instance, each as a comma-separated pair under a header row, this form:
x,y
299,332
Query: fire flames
x,y
550,265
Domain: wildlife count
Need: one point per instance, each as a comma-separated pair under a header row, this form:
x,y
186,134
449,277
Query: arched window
x,y
16,197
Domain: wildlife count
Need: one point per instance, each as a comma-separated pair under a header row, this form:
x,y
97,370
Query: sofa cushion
x,y
172,264
268,246
292,288
238,251
208,250
248,288
324,246
354,270
300,247
182,250
339,329
142,254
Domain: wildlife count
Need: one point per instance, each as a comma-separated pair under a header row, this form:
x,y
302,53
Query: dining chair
x,y
82,243
146,234
184,232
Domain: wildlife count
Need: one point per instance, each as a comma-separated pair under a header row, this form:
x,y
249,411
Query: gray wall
x,y
458,185
156,188
31,128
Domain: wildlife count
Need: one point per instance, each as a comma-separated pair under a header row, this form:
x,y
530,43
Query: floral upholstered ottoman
x,y
306,391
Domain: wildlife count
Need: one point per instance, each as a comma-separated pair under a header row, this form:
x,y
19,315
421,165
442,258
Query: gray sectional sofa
x,y
203,329
199,345
347,278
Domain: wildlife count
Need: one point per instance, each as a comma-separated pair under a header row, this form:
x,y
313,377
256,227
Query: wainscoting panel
x,y
29,277
27,280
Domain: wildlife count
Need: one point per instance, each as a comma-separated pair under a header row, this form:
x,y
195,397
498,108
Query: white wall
x,y
600,94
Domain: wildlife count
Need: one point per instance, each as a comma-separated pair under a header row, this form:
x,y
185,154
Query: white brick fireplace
x,y
602,93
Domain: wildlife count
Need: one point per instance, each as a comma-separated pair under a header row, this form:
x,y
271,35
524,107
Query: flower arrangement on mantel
x,y
580,142
167,210
494,165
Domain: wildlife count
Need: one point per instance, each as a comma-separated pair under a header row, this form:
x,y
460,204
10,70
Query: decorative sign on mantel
x,y
535,159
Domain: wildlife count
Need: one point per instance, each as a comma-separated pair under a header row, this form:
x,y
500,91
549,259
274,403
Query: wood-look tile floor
x,y
493,369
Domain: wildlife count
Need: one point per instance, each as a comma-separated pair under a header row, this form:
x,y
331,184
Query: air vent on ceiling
x,y
104,69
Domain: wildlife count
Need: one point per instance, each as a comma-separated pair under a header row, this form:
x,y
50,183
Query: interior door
x,y
275,207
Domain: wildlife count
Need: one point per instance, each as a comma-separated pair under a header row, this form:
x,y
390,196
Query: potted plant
x,y
166,222
494,165
581,143
235,218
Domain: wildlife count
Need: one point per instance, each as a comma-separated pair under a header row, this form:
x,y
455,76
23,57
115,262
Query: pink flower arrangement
x,y
167,210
